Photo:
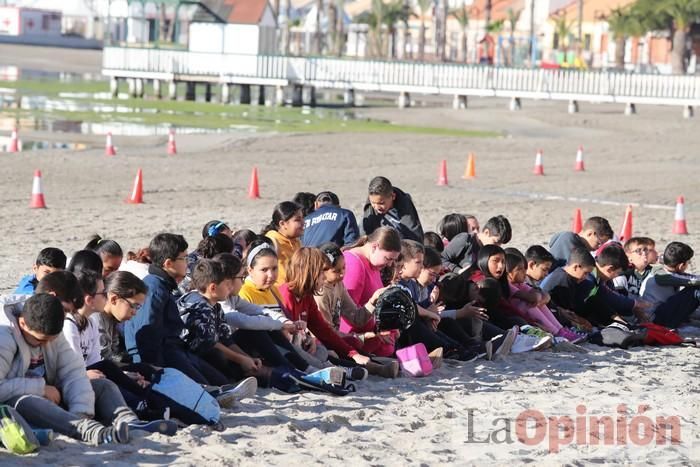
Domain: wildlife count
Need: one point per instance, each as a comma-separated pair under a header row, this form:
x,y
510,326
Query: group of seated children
x,y
84,342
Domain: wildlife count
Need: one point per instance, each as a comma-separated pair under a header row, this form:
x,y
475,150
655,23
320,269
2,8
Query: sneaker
x,y
356,373
572,336
527,343
244,390
388,370
534,331
560,344
500,346
95,433
436,358
164,427
335,376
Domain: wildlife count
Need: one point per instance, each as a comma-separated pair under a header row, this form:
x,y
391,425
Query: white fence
x,y
370,75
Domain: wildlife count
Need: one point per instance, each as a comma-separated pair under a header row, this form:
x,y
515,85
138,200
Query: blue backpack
x,y
188,395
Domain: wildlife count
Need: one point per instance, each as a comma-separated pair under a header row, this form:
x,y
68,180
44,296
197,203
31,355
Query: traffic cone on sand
x,y
137,192
470,171
254,187
172,149
539,168
442,177
626,230
579,160
14,141
577,224
37,201
679,225
109,147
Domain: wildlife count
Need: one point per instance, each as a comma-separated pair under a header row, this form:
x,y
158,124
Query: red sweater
x,y
295,309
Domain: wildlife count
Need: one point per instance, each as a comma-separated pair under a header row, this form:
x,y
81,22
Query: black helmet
x,y
395,309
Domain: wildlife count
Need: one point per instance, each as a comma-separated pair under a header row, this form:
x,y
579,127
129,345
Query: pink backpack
x,y
414,360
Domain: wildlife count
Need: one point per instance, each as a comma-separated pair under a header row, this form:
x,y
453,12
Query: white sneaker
x,y
526,343
244,390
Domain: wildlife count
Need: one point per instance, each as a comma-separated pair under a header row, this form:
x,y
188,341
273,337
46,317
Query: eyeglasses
x,y
134,306
641,251
181,258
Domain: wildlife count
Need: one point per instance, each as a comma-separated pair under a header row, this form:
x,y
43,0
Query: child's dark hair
x,y
600,226
88,283
635,241
230,262
212,228
43,313
582,257
647,241
613,255
124,284
411,248
166,246
486,252
513,260
211,246
451,225
103,246
454,290
380,186
514,251
539,255
499,227
260,248
327,197
64,285
282,212
491,292
431,258
51,257
387,238
205,272
433,240
245,236
142,256
331,252
676,253
85,260
306,200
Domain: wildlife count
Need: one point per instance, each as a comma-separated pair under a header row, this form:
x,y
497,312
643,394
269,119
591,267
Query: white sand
x,y
649,160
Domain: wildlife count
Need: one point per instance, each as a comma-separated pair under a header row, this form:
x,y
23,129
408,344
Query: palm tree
x,y
487,14
318,35
462,17
513,18
683,13
623,23
332,28
340,27
424,6
562,29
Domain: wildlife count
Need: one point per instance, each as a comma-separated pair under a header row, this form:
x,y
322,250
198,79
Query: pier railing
x,y
402,77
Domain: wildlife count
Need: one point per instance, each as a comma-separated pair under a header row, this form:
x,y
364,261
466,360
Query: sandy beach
x,y
647,161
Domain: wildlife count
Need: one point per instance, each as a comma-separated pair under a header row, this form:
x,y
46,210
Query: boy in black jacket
x,y
389,206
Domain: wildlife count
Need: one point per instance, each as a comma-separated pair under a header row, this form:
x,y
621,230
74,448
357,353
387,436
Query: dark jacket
x,y
402,216
561,244
461,253
157,325
330,223
205,324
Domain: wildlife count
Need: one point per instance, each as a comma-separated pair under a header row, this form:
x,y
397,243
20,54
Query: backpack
x,y
660,335
15,433
189,396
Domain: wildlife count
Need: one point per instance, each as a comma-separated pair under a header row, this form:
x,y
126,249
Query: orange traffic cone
x,y
470,171
442,177
14,142
679,225
539,168
172,149
254,188
577,224
37,201
109,147
137,192
579,160
626,230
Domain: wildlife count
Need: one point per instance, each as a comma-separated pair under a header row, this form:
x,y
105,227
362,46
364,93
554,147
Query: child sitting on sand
x,y
285,231
595,231
49,260
388,206
673,293
463,250
110,252
539,263
330,223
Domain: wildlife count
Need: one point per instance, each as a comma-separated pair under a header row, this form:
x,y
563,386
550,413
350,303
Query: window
x,y
45,22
